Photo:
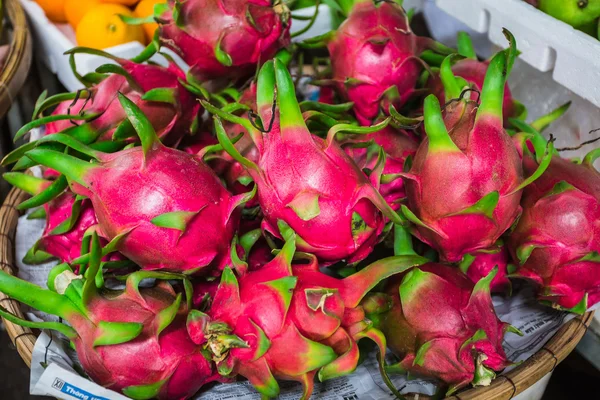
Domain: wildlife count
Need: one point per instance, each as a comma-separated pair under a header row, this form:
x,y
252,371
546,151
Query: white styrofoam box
x,y
545,42
52,40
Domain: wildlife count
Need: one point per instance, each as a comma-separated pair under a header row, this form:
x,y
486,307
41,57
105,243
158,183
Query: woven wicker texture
x,y
16,67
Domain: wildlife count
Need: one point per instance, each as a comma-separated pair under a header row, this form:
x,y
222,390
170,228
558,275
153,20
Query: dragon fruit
x,y
305,181
68,220
441,325
293,322
557,240
479,264
146,203
136,341
398,146
223,38
466,179
95,114
473,72
374,57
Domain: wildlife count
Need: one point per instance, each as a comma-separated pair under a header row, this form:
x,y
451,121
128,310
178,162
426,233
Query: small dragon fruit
x,y
293,322
465,183
305,181
68,220
557,240
374,57
398,146
478,265
146,203
223,38
473,72
136,341
441,325
157,90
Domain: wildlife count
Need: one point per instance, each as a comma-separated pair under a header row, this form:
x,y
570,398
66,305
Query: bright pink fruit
x,y
155,89
224,38
293,322
442,325
137,341
375,58
145,201
306,182
398,146
465,183
557,240
68,220
479,264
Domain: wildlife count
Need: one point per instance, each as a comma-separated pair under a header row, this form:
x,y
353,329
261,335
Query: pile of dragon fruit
x,y
215,225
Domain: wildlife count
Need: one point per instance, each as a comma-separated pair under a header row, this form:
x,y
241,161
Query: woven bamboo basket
x,y
504,387
16,66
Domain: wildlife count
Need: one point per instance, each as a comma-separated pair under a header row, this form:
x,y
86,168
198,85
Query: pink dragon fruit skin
x,y
172,118
374,58
144,197
293,322
307,182
478,265
136,342
557,240
464,187
442,325
224,38
66,247
398,146
59,240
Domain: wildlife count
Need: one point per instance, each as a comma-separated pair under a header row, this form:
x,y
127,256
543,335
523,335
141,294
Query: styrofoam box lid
x,y
545,42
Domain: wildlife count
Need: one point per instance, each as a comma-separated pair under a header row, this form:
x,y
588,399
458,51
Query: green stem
x,y
465,46
36,297
48,194
56,326
544,121
289,111
265,88
492,93
51,118
356,286
142,125
27,183
403,242
439,138
73,168
349,128
451,86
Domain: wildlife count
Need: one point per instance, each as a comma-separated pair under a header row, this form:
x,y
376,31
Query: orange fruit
x,y
101,27
123,2
54,9
144,9
76,9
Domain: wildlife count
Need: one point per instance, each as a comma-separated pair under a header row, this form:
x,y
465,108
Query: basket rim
x,y
504,387
19,57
